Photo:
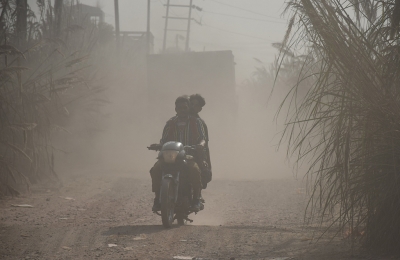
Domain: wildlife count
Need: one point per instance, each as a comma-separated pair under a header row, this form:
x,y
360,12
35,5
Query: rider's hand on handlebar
x,y
154,147
199,147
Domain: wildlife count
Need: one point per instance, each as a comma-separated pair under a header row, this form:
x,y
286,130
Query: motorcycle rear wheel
x,y
167,203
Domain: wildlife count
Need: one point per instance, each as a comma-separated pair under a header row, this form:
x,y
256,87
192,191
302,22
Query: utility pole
x,y
189,19
166,27
117,32
188,27
148,28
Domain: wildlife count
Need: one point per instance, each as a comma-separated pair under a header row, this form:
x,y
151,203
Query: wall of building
x,y
211,74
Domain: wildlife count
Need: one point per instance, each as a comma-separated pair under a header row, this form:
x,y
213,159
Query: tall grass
x,y
45,77
347,125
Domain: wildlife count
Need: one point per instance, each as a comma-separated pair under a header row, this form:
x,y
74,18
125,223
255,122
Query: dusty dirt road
x,y
90,212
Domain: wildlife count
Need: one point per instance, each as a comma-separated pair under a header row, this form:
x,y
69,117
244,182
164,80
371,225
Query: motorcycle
x,y
176,193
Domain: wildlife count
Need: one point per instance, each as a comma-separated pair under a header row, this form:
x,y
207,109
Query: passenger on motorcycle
x,y
203,159
188,130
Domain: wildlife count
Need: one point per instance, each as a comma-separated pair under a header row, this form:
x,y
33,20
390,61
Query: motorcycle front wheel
x,y
167,203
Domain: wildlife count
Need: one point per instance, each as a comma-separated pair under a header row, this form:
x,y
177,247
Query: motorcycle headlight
x,y
170,156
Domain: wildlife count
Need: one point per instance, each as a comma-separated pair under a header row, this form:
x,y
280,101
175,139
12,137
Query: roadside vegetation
x,y
46,79
344,113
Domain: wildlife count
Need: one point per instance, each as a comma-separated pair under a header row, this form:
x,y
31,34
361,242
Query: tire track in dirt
x,y
242,219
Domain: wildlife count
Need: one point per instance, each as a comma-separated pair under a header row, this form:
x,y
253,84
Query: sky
x,y
247,27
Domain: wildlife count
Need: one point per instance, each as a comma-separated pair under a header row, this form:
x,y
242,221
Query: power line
x,y
174,12
189,20
251,36
237,33
242,17
198,14
243,9
163,4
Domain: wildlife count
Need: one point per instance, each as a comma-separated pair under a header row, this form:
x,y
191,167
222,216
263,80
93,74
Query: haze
x,y
80,104
245,149
248,34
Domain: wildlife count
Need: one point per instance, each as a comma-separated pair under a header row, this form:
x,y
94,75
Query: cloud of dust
x,y
243,134
207,218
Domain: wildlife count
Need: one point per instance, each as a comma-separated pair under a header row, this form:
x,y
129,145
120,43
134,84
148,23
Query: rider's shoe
x,y
157,205
196,206
202,199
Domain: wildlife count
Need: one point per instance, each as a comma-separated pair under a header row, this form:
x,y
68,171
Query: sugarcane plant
x,y
45,75
346,126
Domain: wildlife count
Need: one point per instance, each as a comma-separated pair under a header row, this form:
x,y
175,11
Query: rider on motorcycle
x,y
188,130
203,160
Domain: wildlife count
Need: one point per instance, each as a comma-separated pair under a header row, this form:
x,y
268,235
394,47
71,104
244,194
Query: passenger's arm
x,y
202,143
202,136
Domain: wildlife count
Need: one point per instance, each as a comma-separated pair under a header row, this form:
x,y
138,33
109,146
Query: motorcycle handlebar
x,y
157,147
190,149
